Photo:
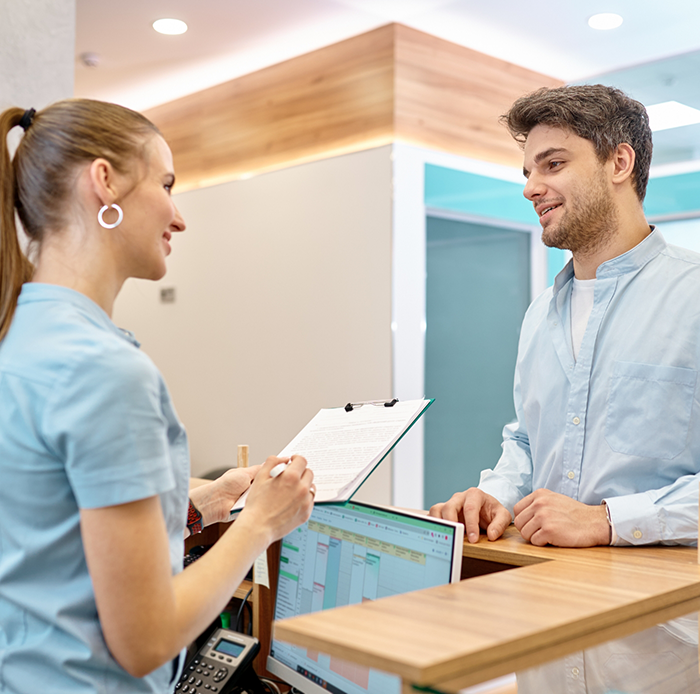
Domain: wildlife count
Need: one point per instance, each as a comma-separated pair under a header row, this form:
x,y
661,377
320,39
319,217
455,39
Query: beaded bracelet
x,y
194,519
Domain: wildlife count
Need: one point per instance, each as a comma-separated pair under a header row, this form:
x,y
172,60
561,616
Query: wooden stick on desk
x,y
242,455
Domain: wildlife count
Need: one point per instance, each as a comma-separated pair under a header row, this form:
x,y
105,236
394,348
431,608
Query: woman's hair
x,y
605,116
38,183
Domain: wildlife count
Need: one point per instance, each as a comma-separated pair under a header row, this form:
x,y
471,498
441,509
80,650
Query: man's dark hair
x,y
603,115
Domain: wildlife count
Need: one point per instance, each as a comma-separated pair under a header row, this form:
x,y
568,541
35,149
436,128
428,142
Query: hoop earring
x,y
103,210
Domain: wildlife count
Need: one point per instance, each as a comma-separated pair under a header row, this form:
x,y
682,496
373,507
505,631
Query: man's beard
x,y
588,223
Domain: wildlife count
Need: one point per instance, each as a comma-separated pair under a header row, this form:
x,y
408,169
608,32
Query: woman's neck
x,y
91,273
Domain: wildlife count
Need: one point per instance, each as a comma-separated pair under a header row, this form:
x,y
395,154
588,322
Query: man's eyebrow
x,y
540,156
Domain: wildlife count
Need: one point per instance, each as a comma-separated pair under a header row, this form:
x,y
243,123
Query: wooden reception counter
x,y
549,603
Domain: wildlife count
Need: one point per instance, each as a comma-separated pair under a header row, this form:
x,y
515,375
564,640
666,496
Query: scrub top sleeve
x,y
105,421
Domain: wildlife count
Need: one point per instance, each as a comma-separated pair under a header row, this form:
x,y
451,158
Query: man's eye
x,y
554,164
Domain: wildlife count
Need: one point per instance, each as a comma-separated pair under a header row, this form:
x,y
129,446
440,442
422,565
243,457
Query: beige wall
x,y
283,306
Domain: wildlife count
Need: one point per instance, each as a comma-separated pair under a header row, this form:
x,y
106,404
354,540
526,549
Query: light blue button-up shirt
x,y
622,423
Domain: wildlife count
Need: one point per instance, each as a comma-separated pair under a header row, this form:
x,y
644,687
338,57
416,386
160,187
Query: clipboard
x,y
344,445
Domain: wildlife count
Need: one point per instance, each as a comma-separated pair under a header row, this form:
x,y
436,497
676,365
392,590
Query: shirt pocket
x,y
649,409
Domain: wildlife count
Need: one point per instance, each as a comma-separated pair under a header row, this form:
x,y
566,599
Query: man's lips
x,y
545,211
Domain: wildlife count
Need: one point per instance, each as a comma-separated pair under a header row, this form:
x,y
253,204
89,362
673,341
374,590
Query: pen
x,y
279,468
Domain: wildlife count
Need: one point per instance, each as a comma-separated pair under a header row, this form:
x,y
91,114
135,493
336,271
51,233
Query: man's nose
x,y
534,188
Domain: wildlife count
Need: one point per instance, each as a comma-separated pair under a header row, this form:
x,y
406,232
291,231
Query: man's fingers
x,y
436,510
523,504
539,539
524,515
474,507
450,511
472,514
499,524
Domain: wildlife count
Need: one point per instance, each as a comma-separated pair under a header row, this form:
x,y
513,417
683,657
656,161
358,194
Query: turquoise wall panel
x,y
673,194
556,259
477,291
469,193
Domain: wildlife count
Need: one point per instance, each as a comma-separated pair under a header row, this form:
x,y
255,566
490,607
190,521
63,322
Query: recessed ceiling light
x,y
671,114
604,21
170,26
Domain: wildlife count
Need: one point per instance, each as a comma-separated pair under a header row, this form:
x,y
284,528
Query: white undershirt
x,y
581,307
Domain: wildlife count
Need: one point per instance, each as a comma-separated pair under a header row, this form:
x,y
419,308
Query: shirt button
x,y
575,672
555,323
571,474
576,420
637,534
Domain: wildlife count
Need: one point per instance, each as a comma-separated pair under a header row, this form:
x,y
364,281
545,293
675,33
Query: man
x,y
606,445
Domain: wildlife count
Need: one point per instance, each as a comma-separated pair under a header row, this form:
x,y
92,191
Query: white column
x,y
408,315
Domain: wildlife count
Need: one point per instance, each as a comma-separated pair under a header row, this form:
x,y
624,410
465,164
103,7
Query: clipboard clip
x,y
387,403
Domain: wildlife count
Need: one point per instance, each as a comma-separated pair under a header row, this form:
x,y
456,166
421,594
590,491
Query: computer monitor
x,y
351,553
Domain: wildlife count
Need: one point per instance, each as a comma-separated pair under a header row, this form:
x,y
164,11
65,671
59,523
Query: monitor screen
x,y
350,553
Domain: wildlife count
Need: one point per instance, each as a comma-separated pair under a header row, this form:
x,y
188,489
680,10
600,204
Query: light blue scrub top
x,y
622,422
86,421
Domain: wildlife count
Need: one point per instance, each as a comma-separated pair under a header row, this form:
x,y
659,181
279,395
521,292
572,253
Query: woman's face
x,y
150,215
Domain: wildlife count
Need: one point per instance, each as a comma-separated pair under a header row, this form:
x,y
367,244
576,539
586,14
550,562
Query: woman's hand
x,y
215,500
280,504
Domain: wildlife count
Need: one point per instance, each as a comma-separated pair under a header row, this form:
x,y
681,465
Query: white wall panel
x,y
283,306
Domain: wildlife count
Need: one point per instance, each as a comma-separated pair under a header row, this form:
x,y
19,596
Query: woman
x,y
94,463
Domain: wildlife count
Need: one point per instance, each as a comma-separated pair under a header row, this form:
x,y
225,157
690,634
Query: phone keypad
x,y
201,677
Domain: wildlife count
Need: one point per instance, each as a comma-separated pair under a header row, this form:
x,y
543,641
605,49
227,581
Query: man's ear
x,y
103,181
623,163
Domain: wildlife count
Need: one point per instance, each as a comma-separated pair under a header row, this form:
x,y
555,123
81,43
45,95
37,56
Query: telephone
x,y
221,665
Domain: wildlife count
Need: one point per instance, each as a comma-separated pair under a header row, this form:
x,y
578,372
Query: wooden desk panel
x,y
557,601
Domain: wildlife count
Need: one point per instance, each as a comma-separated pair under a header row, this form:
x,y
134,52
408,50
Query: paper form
x,y
342,448
339,445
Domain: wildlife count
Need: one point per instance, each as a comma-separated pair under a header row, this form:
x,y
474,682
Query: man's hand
x,y
545,517
475,509
215,500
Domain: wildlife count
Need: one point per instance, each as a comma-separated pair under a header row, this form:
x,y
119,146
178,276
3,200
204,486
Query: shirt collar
x,y
631,261
635,259
37,291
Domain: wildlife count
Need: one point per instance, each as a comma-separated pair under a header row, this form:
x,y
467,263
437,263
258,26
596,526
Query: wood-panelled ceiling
x,y
393,83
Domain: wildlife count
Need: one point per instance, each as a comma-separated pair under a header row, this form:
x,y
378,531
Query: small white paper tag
x,y
261,575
